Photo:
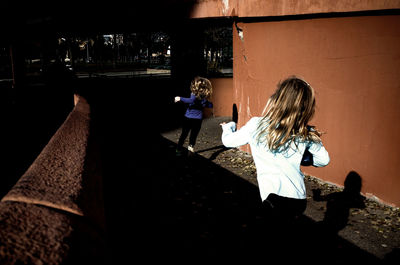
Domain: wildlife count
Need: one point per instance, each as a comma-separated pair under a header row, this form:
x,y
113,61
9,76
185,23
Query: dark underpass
x,y
159,207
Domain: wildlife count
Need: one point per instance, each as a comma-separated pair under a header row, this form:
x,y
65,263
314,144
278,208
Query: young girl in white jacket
x,y
278,141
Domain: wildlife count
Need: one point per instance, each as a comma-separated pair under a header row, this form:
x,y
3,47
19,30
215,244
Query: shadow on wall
x,y
235,115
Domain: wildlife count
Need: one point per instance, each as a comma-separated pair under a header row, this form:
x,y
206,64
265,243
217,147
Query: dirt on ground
x,y
363,222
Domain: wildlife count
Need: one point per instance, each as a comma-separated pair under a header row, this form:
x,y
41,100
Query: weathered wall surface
x,y
222,97
289,7
260,8
354,64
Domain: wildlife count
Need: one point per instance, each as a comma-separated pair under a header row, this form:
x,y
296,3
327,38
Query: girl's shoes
x,y
179,151
191,148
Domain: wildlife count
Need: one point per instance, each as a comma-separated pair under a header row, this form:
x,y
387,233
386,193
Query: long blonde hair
x,y
201,87
286,115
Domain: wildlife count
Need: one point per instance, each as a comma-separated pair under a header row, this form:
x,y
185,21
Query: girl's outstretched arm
x,y
233,138
188,100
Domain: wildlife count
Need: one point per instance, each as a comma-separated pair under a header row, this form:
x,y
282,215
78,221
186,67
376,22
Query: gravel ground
x,y
367,225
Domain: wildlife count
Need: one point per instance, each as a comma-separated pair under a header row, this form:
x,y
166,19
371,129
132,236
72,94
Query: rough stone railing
x,y
54,214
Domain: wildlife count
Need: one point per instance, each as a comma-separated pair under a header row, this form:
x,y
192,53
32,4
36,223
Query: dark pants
x,y
283,234
189,125
284,209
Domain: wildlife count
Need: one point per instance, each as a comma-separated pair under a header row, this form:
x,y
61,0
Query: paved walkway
x,y
367,233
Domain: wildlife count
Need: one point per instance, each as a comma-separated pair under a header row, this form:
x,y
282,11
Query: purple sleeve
x,y
188,100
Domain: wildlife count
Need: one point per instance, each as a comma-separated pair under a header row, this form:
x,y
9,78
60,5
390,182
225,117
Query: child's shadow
x,y
339,203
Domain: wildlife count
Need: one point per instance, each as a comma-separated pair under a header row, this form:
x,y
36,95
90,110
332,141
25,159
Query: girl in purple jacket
x,y
201,90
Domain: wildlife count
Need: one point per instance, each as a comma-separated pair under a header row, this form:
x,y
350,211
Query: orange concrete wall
x,y
260,8
354,65
289,7
222,97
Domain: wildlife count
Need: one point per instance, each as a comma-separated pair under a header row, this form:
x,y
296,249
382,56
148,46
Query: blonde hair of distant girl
x,y
201,87
287,114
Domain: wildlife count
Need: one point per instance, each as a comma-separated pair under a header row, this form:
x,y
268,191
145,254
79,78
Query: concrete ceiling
x,y
93,16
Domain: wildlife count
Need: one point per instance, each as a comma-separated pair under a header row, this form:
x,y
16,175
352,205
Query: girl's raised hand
x,y
177,99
